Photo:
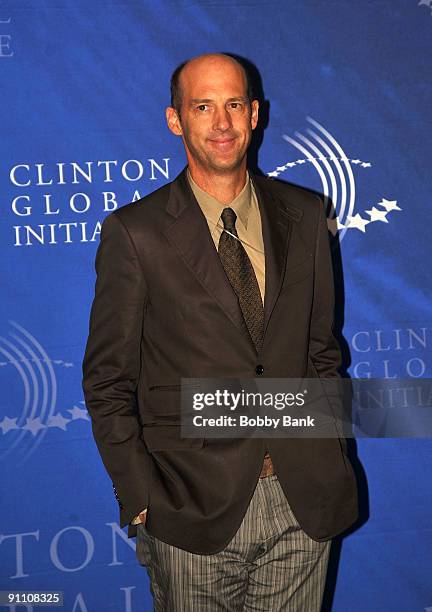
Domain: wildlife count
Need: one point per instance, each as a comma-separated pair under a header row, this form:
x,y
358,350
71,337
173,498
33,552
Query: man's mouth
x,y
222,143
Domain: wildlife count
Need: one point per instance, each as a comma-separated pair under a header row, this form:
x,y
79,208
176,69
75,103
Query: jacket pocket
x,y
165,388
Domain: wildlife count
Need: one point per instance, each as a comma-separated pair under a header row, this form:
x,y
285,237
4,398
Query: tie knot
x,y
229,217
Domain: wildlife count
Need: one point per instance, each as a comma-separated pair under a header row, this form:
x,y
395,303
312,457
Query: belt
x,y
267,468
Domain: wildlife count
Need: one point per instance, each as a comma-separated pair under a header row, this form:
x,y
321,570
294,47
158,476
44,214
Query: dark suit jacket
x,y
163,310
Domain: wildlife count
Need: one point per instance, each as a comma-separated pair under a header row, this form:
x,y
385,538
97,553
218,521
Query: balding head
x,y
214,115
190,69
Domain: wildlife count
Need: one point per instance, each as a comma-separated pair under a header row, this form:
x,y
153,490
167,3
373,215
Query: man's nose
x,y
222,120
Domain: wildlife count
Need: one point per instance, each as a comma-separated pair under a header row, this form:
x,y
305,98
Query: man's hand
x,y
141,518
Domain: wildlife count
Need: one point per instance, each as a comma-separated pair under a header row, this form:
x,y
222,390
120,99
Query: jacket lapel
x,y
277,218
190,236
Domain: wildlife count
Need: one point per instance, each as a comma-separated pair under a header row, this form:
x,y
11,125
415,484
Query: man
x,y
217,274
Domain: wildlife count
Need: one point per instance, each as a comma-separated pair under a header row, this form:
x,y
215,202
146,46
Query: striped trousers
x,y
270,564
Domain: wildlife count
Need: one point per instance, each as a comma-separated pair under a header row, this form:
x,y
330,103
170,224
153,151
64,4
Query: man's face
x,y
216,118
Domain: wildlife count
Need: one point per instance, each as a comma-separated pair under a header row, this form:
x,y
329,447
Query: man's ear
x,y
173,121
254,113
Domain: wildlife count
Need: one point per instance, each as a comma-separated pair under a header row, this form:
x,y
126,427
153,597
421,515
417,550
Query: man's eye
x,y
235,105
202,107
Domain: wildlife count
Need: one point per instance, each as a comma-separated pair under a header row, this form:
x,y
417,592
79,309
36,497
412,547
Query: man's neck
x,y
224,187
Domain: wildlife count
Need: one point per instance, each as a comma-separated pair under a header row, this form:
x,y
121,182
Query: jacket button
x,y
259,369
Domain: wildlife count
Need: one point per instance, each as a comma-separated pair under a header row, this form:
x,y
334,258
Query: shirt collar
x,y
212,208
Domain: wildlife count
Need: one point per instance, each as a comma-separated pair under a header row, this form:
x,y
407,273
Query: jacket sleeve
x,y
111,367
324,349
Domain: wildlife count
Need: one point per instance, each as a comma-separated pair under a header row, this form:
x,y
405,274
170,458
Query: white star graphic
x,y
377,215
366,165
357,222
58,420
389,204
301,161
78,413
68,364
334,225
273,174
33,425
280,168
356,161
8,424
290,164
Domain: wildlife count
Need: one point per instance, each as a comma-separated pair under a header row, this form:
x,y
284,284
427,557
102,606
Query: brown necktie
x,y
241,275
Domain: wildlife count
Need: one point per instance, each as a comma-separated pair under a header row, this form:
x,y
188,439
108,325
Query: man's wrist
x,y
140,518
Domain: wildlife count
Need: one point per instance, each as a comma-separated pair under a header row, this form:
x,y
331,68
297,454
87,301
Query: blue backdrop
x,y
84,86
